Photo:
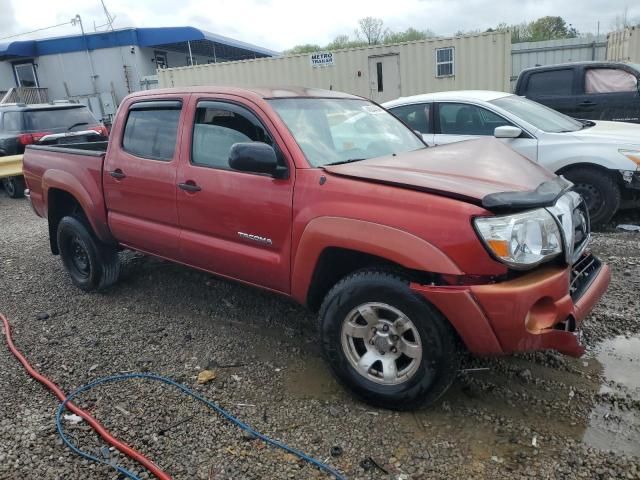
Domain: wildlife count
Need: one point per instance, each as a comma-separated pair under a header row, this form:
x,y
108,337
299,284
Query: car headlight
x,y
522,240
633,155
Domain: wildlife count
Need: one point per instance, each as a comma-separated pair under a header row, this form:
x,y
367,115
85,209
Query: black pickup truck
x,y
585,90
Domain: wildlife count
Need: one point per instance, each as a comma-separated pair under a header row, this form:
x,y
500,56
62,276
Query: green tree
x,y
343,41
544,28
305,48
549,28
408,35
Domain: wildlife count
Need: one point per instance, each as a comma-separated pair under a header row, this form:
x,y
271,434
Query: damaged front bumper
x,y
537,311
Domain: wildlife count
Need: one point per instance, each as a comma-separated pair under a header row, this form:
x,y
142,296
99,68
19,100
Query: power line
x,y
34,31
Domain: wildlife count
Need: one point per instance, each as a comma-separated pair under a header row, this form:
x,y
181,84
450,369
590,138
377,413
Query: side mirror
x,y
256,157
507,131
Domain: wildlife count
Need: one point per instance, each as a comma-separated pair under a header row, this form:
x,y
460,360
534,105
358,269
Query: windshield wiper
x,y
77,125
349,160
587,123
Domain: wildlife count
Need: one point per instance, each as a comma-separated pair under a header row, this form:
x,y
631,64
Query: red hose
x,y
111,440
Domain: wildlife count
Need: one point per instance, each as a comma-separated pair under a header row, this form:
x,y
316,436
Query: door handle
x,y
587,103
189,186
117,174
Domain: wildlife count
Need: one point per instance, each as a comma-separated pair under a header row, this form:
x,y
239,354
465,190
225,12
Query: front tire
x,y
599,190
91,264
386,343
14,186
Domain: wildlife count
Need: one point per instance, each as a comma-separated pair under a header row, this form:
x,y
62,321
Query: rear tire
x,y
352,342
599,190
14,186
91,264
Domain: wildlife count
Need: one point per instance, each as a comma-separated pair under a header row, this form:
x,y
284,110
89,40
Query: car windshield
x,y
332,131
539,116
58,119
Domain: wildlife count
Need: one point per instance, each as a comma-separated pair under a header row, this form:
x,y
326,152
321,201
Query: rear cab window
x,y
151,129
550,83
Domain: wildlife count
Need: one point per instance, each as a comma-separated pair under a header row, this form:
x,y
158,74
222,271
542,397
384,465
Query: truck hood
x,y
623,134
471,170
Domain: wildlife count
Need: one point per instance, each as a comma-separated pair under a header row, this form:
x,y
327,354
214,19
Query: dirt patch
x,y
537,415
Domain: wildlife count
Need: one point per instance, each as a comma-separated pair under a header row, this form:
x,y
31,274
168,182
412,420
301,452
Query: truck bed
x,y
75,169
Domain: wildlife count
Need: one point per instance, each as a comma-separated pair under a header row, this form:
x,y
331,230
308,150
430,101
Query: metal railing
x,y
26,95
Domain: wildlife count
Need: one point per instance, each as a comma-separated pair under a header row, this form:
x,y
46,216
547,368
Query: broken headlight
x,y
521,240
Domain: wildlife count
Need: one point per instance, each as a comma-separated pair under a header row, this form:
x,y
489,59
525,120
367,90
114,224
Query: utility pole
x,y
110,18
78,20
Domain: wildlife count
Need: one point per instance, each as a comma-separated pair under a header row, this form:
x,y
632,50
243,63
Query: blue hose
x,y
149,376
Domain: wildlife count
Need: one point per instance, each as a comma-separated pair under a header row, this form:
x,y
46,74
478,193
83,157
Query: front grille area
x,y
573,218
581,228
582,273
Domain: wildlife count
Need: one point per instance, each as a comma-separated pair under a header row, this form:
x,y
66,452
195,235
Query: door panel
x,y
140,178
238,224
384,77
608,94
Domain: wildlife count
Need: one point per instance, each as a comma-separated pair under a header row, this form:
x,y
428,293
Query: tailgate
x,y
10,166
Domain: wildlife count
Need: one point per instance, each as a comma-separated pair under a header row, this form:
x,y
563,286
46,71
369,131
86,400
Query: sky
x,y
281,24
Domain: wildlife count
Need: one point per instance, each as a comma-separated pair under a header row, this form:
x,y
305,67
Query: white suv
x,y
601,158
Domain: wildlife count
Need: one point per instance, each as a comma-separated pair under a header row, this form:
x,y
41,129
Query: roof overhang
x,y
142,37
17,49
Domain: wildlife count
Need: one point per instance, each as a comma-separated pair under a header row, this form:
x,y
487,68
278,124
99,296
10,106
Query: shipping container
x,y
380,72
624,45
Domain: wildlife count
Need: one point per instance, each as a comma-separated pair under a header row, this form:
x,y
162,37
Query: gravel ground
x,y
528,416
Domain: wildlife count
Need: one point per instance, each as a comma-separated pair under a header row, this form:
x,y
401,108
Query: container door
x,y
384,78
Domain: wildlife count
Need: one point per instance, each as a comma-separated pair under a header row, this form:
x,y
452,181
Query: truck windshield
x,y
332,131
539,116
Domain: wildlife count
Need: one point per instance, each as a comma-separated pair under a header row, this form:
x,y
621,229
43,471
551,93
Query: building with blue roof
x,y
101,68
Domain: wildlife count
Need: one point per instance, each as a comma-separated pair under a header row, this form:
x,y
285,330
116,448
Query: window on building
x,y
445,62
160,58
609,80
379,75
416,116
464,119
218,126
151,129
551,83
25,74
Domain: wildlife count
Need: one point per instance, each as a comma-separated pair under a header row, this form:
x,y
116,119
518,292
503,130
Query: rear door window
x,y
609,80
151,129
417,116
551,83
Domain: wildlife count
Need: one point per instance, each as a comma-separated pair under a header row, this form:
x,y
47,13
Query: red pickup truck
x,y
408,253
